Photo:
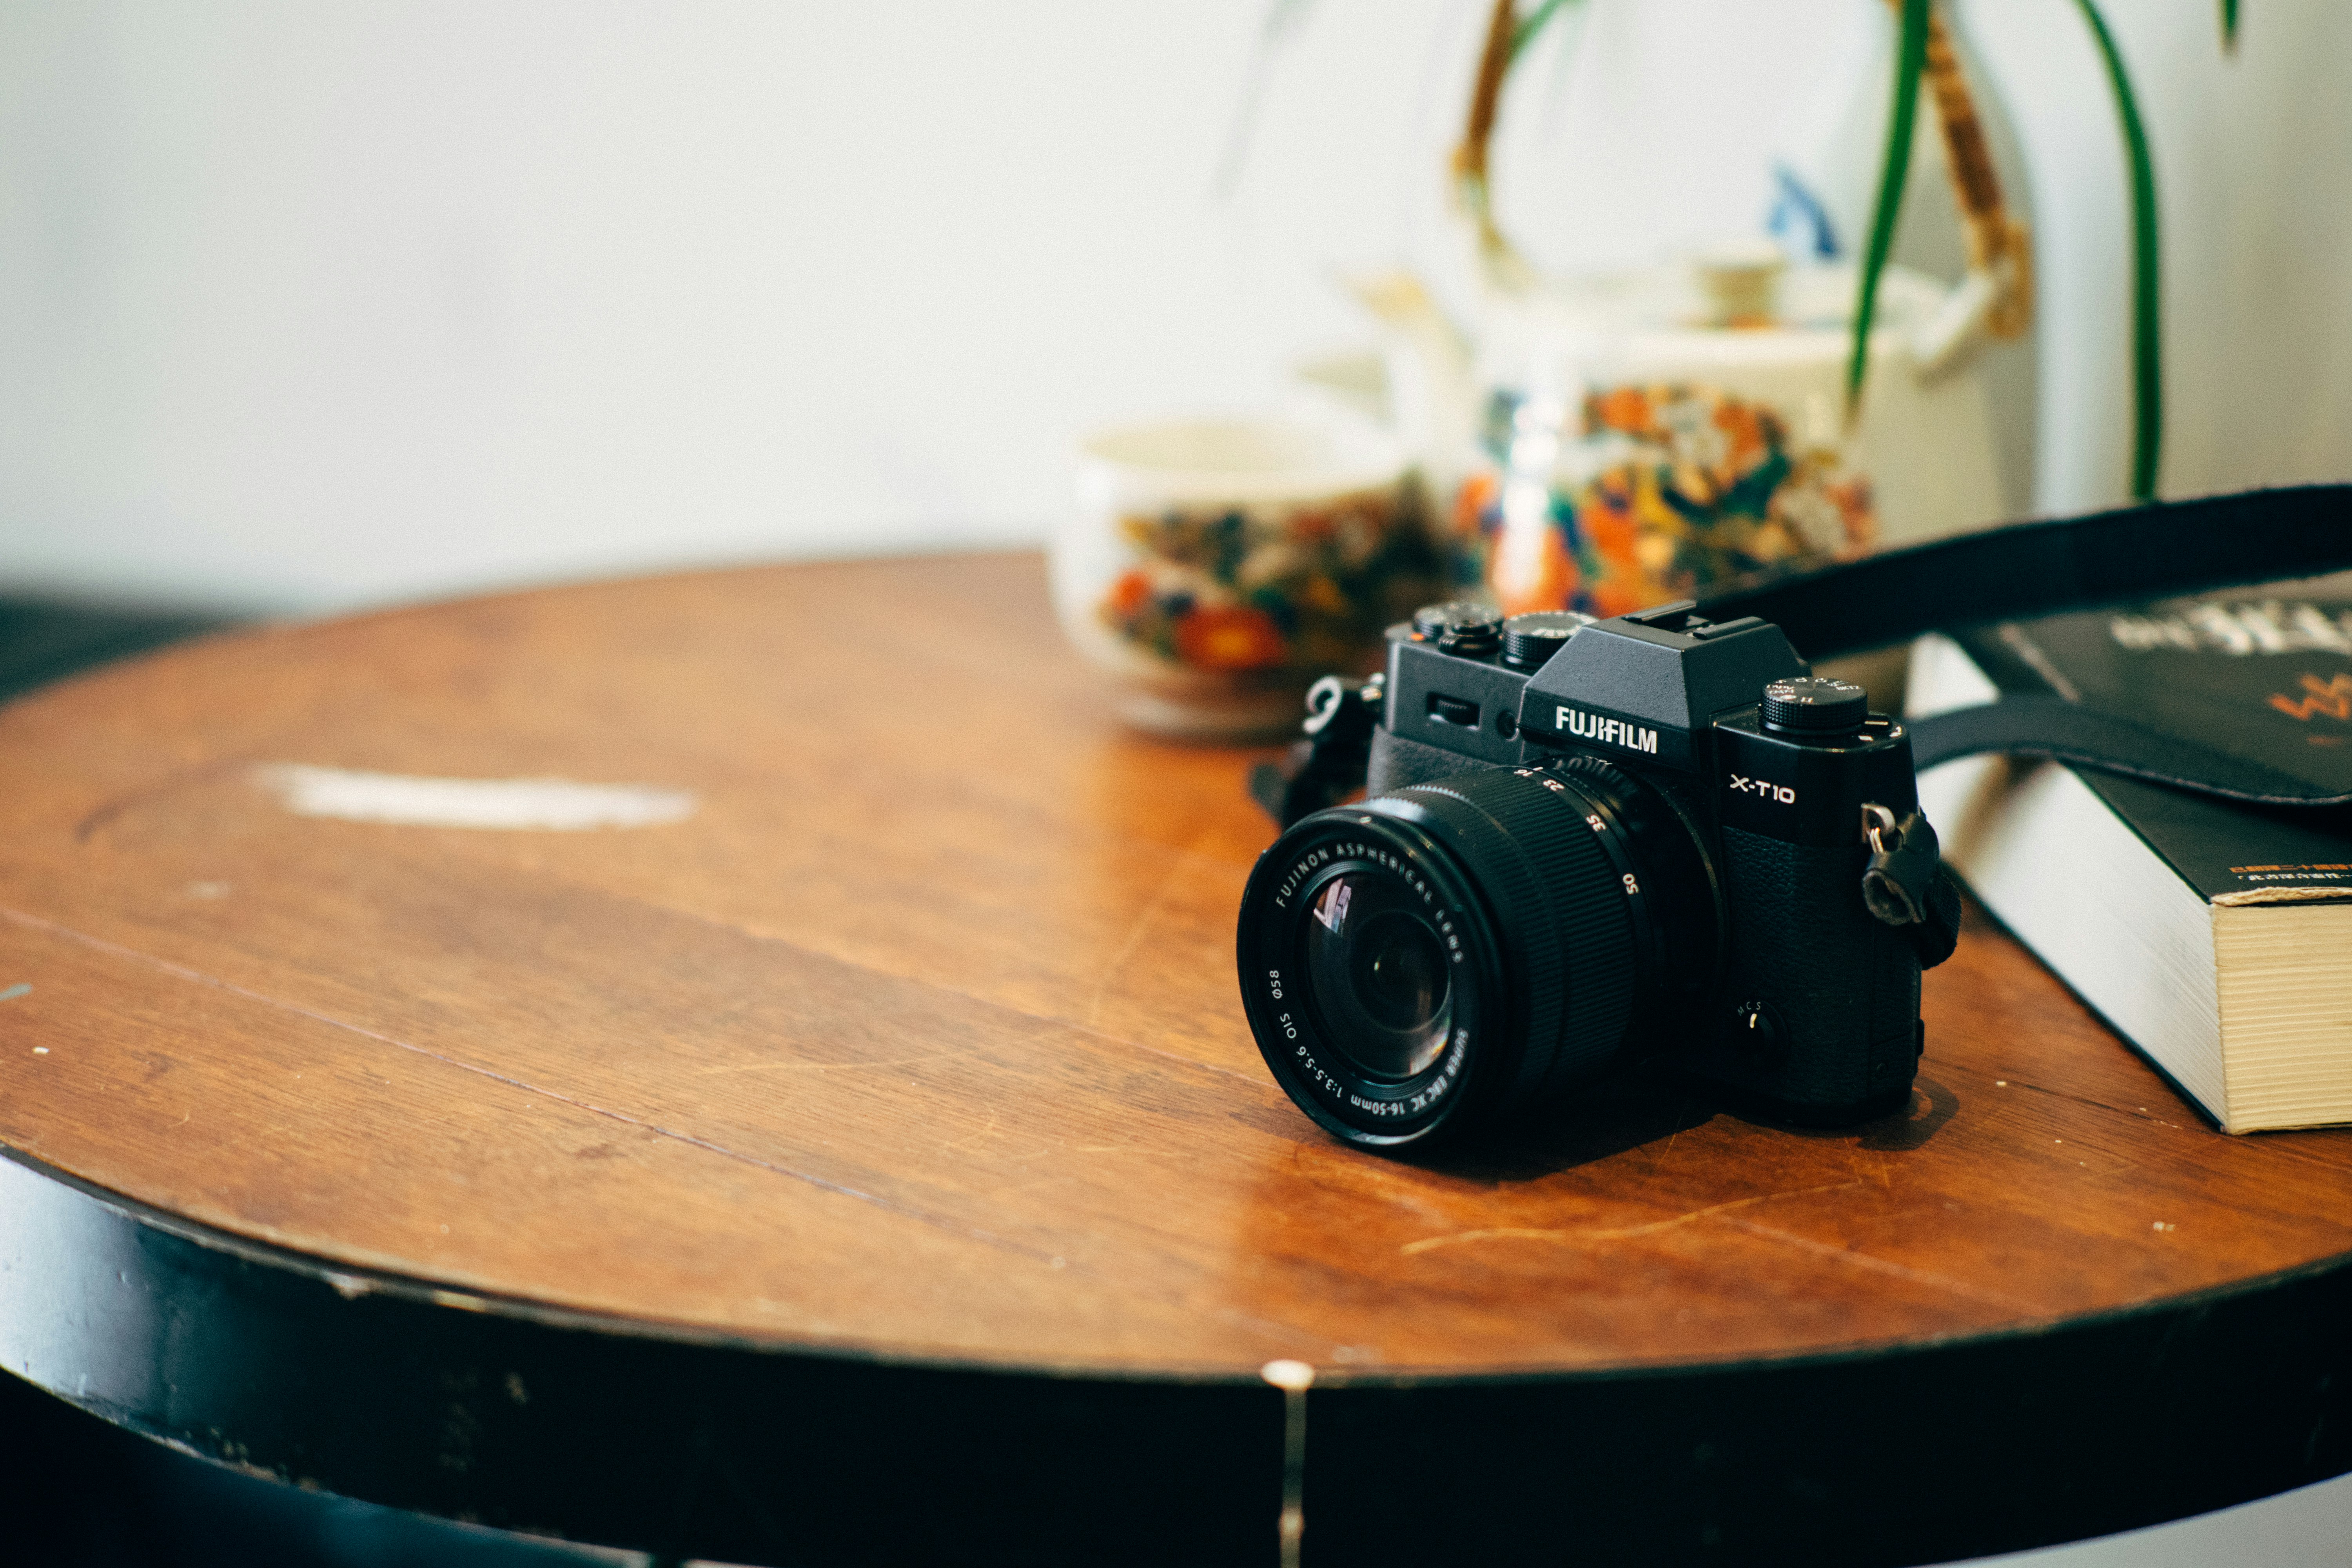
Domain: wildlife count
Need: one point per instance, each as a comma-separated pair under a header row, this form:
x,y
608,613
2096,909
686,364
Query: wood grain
x,y
920,1035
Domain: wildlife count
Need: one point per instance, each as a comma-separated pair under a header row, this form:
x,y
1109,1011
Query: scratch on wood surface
x,y
1611,1233
830,1067
1496,1233
2142,1113
1257,1080
1253,1075
1897,1271
880,1200
106,811
1144,916
19,989
980,1137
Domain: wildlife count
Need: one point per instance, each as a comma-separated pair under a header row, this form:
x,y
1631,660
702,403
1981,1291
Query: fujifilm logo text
x,y
1610,731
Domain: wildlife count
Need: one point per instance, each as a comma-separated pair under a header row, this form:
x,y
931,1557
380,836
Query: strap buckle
x,y
1329,764
1906,885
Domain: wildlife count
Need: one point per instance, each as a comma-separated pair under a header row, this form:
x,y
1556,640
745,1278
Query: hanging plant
x,y
1998,245
1921,50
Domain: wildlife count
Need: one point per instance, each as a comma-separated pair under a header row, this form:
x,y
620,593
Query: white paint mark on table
x,y
551,806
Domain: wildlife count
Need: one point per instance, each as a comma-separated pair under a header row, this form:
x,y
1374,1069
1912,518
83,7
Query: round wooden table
x,y
858,1155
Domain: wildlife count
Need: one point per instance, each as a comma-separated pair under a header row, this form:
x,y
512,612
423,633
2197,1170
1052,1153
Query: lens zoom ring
x,y
1591,910
1511,878
1581,949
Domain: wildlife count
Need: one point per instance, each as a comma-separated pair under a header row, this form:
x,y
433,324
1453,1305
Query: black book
x,y
2216,938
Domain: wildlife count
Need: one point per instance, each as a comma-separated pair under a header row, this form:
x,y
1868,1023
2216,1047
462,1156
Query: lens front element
x,y
1429,960
1378,972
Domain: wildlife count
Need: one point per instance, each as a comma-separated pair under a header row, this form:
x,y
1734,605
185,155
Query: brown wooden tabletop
x,y
915,1040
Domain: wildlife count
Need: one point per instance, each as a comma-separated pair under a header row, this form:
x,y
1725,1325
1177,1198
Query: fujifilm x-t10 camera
x,y
1583,841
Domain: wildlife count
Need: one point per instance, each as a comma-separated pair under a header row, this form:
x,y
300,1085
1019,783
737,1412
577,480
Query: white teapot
x,y
1614,442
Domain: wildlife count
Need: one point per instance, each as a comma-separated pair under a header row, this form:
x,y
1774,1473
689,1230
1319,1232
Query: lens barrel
x,y
1428,960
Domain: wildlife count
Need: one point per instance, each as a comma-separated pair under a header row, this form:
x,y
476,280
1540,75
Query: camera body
x,y
1584,840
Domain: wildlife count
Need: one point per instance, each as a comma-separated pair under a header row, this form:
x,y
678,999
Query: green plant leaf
x,y
2148,327
2230,26
1910,65
1282,18
1525,34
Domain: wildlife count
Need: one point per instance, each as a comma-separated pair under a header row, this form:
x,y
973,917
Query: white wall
x,y
314,305
2254,163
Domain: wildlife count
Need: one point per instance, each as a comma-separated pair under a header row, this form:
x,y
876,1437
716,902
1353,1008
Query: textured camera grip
x,y
1846,985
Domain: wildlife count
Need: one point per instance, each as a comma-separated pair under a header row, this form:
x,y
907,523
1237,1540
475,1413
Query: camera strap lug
x,y
1328,764
1904,883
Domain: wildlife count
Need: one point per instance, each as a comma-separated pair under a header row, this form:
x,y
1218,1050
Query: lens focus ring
x,y
1532,838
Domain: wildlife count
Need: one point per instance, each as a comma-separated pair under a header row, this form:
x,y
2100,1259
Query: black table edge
x,y
688,1442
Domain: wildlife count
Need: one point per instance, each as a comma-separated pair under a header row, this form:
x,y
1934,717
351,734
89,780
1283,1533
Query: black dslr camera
x,y
1585,840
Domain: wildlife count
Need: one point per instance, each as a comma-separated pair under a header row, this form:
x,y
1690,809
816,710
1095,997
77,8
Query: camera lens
x,y
1377,971
1422,963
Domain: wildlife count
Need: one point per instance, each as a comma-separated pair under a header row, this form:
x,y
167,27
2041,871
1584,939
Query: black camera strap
x,y
2085,738
2065,563
2026,569
1328,765
2071,563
